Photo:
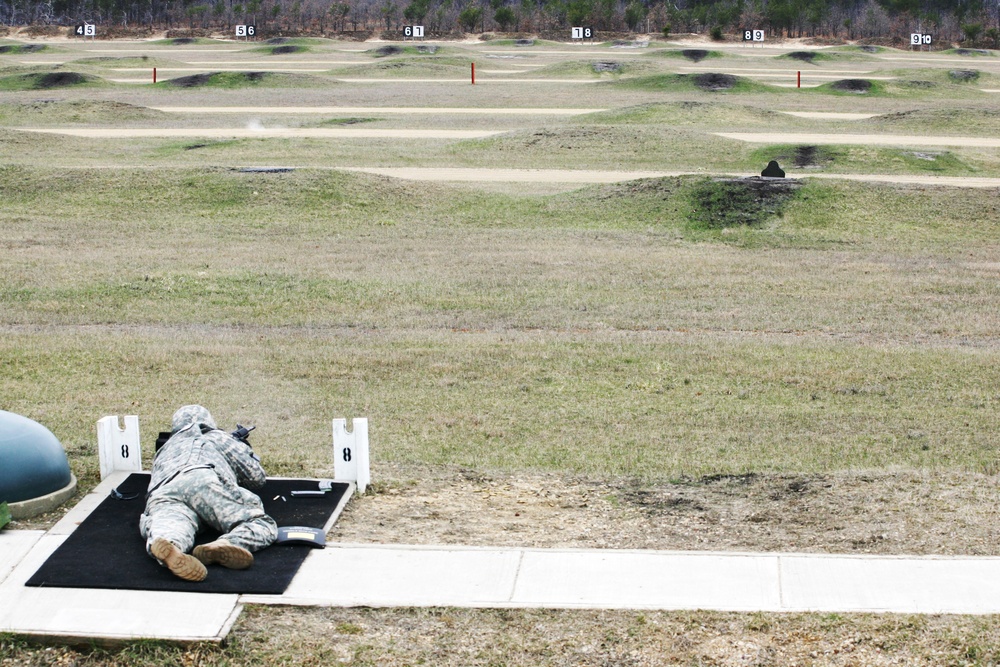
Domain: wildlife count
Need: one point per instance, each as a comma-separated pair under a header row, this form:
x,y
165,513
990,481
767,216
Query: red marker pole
x,y
473,74
799,83
154,75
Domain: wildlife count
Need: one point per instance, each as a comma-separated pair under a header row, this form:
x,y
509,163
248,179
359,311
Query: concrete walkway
x,y
380,575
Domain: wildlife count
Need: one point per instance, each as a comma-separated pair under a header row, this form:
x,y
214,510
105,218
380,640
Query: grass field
x,y
654,331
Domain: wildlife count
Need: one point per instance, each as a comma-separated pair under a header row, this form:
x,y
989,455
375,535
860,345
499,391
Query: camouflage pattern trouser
x,y
176,511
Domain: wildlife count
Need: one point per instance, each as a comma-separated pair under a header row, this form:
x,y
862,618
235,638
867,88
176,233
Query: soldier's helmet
x,y
191,414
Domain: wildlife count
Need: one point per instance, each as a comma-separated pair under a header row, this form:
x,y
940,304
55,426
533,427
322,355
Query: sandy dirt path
x,y
860,139
382,110
830,115
264,133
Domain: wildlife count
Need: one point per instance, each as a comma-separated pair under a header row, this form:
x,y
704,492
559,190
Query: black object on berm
x,y
107,551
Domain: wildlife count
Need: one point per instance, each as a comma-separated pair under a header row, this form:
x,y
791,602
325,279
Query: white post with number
x,y
350,452
118,448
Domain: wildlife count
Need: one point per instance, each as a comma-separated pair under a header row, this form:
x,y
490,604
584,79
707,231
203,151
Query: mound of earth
x,y
695,55
427,48
924,85
805,56
963,75
524,42
971,52
57,80
22,48
607,66
192,81
868,48
289,48
195,80
388,50
181,41
713,81
859,86
805,156
274,41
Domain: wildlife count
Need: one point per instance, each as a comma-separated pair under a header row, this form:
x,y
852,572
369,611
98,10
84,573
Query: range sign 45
x,y
85,30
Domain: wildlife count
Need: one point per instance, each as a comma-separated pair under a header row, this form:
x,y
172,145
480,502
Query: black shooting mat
x,y
107,551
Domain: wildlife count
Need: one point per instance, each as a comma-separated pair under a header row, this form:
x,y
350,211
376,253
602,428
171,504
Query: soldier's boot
x,y
225,554
181,564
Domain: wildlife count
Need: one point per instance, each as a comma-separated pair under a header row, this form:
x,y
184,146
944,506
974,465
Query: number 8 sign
x,y
350,452
118,448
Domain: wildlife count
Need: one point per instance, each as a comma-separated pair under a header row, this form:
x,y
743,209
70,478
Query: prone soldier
x,y
205,476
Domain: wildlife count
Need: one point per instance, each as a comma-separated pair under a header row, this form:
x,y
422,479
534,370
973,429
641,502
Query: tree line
x,y
975,23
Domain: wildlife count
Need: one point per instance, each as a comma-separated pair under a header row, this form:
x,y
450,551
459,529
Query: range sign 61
x,y
413,31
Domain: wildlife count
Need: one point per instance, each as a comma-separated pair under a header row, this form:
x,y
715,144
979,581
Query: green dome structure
x,y
34,472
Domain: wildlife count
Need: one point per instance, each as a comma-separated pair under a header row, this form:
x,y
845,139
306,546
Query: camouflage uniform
x,y
197,479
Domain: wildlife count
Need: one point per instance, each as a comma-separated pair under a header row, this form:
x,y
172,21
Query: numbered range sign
x,y
920,39
413,31
582,33
246,31
350,452
85,30
753,35
118,448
